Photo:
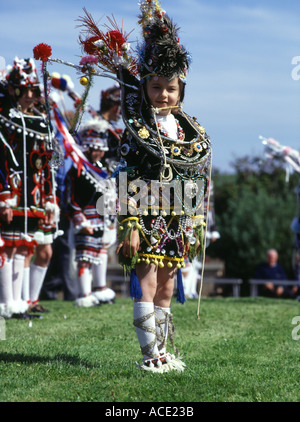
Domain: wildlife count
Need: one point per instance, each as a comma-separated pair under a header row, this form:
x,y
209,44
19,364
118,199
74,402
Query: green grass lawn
x,y
240,350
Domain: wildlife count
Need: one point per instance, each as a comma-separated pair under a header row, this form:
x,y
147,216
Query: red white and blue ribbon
x,y
72,149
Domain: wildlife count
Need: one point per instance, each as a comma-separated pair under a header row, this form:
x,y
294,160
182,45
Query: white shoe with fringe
x,y
174,362
86,302
105,296
7,310
164,363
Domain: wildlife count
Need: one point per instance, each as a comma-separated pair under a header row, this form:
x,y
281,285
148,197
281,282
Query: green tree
x,y
254,209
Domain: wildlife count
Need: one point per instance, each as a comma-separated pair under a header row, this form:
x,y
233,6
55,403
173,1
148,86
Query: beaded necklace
x,y
180,133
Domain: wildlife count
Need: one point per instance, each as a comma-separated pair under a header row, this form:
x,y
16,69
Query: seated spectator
x,y
271,270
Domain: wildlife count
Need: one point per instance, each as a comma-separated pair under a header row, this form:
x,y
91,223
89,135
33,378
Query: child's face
x,y
27,99
96,155
163,93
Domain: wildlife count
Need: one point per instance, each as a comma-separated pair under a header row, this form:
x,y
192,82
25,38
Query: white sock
x,y
6,291
143,315
99,271
17,276
85,281
26,283
37,275
161,327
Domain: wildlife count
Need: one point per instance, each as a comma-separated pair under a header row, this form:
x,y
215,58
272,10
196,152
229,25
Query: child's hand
x,y
130,244
6,215
49,217
186,247
87,230
198,247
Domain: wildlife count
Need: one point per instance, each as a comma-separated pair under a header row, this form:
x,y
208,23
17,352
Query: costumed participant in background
x,y
164,171
94,233
60,274
59,277
110,111
61,270
27,203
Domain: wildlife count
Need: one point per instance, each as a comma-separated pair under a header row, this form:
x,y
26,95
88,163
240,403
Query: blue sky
x,y
240,85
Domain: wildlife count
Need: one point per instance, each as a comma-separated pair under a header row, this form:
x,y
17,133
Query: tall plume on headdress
x,y
161,53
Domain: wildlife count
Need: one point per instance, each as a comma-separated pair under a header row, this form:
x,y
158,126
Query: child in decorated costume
x,y
163,145
94,233
27,200
110,107
164,171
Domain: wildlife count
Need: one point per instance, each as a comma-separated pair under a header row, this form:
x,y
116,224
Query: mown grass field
x,y
240,350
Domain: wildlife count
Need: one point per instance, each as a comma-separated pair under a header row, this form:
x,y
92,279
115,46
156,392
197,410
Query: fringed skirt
x,y
35,232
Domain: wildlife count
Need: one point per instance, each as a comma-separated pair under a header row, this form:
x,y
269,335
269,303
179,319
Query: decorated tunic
x,y
166,178
26,180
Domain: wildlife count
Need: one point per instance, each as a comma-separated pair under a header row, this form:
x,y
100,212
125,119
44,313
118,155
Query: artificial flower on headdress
x,y
88,61
110,46
89,45
160,53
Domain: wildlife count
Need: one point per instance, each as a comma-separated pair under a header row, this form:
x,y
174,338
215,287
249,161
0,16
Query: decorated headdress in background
x,y
23,73
110,97
93,134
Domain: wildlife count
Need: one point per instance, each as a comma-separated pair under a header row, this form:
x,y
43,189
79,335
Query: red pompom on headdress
x,y
42,52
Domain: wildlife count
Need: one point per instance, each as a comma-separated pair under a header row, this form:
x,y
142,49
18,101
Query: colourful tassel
x,y
180,290
135,288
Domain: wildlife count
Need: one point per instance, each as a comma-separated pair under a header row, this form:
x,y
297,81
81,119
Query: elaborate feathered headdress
x,y
161,52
